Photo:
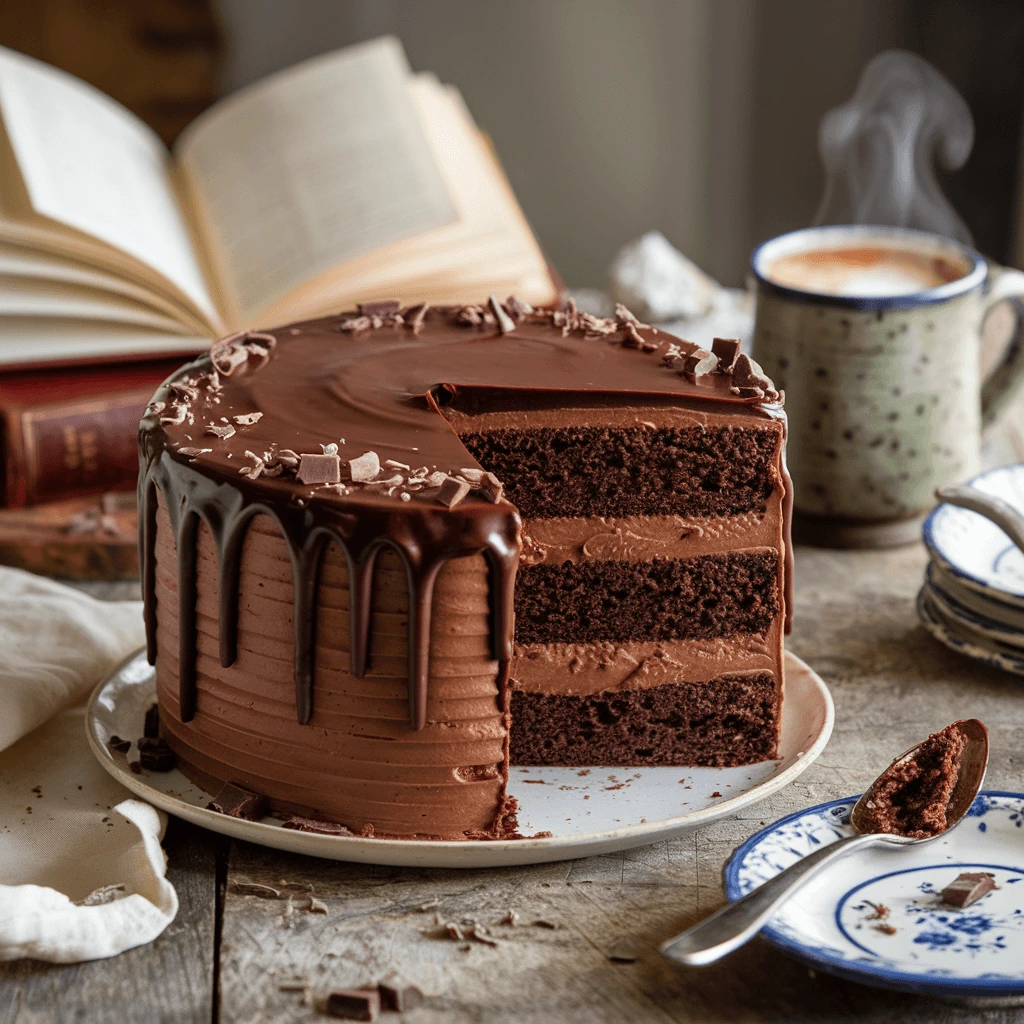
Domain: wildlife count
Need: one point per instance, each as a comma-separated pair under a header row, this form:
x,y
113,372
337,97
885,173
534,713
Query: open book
x,y
343,179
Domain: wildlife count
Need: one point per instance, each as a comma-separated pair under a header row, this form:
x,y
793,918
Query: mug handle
x,y
1006,285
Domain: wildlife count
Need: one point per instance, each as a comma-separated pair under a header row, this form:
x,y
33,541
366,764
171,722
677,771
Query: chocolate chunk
x,y
319,469
382,307
397,995
136,767
452,491
354,1004
727,350
746,392
699,363
121,746
968,888
365,468
324,828
155,755
505,323
236,802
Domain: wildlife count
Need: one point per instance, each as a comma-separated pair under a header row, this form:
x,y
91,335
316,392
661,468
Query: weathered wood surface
x,y
170,981
892,684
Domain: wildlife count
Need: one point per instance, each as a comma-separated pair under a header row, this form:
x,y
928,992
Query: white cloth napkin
x,y
82,873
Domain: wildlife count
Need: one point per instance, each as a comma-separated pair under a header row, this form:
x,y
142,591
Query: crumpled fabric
x,y
82,872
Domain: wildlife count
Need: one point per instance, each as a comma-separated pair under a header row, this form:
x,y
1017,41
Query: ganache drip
x,y
190,496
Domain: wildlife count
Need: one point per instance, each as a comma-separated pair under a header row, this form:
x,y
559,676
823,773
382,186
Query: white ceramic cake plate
x,y
588,811
919,944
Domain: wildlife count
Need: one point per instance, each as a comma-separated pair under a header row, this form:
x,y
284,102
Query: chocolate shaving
x,y
193,452
505,323
364,468
699,363
491,487
236,802
223,431
414,316
257,467
518,309
247,419
746,392
452,491
319,469
354,324
174,415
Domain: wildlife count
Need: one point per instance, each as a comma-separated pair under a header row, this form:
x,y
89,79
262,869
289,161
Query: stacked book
x,y
343,179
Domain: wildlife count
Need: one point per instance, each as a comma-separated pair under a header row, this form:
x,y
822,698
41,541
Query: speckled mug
x,y
884,393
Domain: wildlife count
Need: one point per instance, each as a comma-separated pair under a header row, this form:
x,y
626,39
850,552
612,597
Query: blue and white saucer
x,y
876,917
973,549
958,634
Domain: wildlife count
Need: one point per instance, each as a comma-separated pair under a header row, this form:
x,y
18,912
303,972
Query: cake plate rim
x,y
804,688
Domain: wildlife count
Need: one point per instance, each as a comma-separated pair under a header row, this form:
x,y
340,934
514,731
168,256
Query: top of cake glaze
x,y
335,428
373,382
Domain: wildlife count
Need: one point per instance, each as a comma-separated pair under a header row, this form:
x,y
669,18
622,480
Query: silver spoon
x,y
736,923
1000,512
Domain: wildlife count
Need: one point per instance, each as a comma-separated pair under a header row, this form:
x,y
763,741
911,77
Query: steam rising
x,y
879,148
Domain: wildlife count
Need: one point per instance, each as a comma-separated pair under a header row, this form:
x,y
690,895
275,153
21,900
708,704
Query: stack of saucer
x,y
973,595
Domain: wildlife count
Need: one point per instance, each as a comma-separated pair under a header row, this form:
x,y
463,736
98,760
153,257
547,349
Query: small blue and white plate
x,y
974,549
876,917
998,613
960,636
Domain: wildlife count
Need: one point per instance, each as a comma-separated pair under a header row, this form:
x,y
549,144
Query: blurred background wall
x,y
696,117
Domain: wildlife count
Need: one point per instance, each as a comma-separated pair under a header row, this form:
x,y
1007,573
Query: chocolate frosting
x,y
223,440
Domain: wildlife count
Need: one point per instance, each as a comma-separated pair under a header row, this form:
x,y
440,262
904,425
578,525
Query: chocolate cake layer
x,y
666,599
617,471
726,721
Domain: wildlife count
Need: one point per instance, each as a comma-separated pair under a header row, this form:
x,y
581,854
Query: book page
x,y
489,249
90,165
309,169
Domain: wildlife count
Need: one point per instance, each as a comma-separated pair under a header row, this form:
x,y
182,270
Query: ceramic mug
x,y
874,333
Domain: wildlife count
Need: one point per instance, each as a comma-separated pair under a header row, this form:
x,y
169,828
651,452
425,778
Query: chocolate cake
x,y
911,796
385,552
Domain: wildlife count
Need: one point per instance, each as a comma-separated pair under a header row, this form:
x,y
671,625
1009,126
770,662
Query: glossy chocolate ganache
x,y
320,463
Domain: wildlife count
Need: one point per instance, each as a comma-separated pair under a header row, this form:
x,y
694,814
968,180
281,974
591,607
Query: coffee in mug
x,y
874,333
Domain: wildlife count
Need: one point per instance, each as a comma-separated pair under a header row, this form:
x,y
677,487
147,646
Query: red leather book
x,y
73,431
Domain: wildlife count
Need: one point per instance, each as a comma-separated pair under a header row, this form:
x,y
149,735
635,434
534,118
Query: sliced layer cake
x,y
385,552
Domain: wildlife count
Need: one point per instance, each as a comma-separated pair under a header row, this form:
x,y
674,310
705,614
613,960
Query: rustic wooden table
x,y
228,954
